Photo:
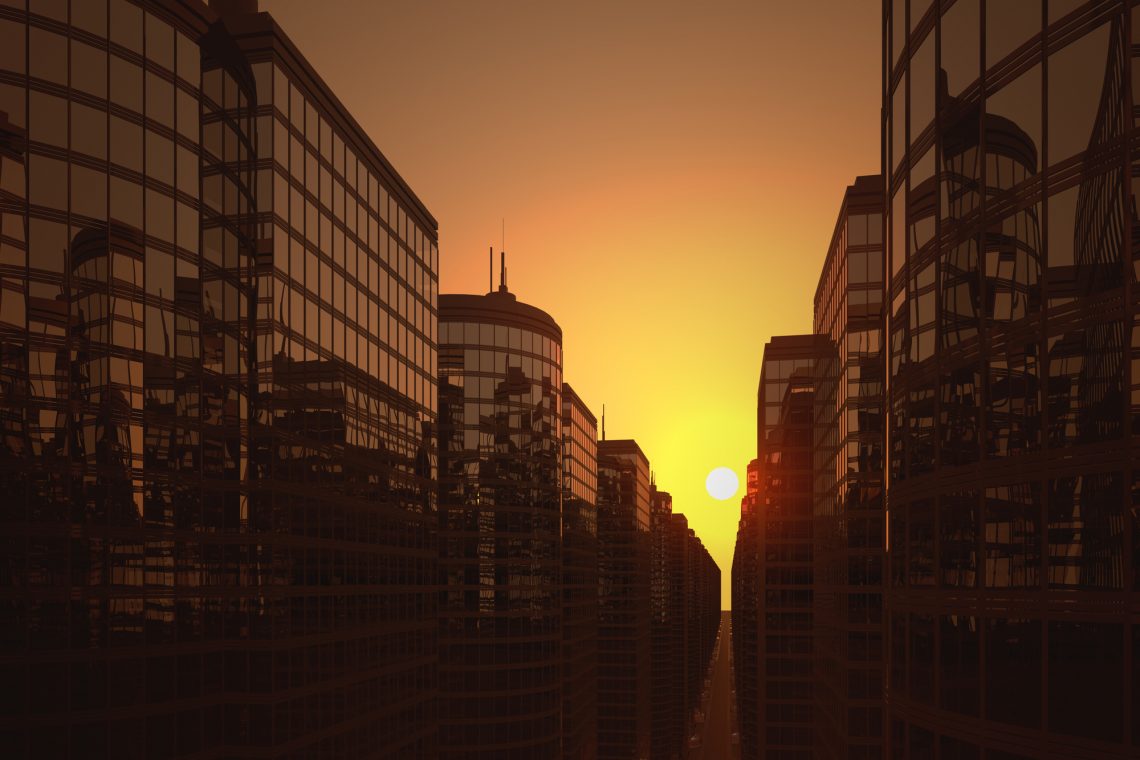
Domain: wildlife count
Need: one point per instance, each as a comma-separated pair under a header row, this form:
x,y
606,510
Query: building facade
x,y
668,663
848,488
208,491
579,578
501,489
624,629
775,556
746,588
1012,390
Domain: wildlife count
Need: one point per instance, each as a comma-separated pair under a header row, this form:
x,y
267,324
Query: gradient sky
x,y
669,173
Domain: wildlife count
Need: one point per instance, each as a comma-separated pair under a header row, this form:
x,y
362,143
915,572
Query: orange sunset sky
x,y
669,173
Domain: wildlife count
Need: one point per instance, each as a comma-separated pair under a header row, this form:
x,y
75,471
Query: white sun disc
x,y
722,483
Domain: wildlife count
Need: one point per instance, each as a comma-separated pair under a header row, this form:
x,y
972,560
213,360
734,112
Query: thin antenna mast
x,y
603,422
490,269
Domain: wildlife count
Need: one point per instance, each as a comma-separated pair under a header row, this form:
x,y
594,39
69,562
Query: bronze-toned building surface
x,y
1013,398
212,491
624,632
501,490
848,488
579,578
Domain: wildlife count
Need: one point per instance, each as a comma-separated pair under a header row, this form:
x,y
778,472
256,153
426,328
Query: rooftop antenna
x,y
502,271
603,422
490,269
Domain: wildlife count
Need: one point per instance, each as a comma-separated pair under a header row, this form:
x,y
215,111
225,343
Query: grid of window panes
x,y
123,389
355,272
786,625
579,577
580,444
624,633
345,340
848,542
1008,130
500,535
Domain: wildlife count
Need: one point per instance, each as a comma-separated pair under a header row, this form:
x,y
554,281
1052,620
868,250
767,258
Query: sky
x,y
668,174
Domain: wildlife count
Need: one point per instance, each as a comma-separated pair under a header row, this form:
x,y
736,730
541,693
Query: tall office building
x,y
219,510
624,633
702,614
501,488
579,578
1013,396
779,722
848,488
746,588
667,599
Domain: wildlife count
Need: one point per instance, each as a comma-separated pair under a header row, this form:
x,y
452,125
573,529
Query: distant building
x,y
624,631
1012,387
579,578
848,483
746,588
501,488
668,628
215,426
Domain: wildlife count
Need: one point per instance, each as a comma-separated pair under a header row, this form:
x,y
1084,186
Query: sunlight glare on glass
x,y
722,483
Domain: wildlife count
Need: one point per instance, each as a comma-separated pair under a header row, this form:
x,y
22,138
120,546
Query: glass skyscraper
x,y
1012,383
501,482
217,310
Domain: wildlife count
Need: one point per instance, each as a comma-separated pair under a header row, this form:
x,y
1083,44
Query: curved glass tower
x,y
1011,398
500,461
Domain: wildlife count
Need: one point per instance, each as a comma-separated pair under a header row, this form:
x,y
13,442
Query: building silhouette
x,y
501,491
218,468
848,489
624,628
1010,397
774,558
702,607
746,589
579,578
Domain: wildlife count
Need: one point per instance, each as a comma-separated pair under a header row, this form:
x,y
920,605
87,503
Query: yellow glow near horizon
x,y
669,172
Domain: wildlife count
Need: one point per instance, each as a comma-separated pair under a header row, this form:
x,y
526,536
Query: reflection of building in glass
x,y
1012,534
848,532
624,635
773,561
579,578
501,488
209,494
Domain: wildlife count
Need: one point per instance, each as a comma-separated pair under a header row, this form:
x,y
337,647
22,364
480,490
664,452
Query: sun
x,y
722,483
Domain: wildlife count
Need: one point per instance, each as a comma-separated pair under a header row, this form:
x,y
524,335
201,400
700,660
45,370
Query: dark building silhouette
x,y
702,616
501,489
1012,523
218,473
848,488
579,578
746,589
668,664
624,629
774,558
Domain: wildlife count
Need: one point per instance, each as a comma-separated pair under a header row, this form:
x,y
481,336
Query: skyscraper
x,y
777,550
212,487
668,662
1011,398
579,578
501,489
746,588
848,491
624,633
